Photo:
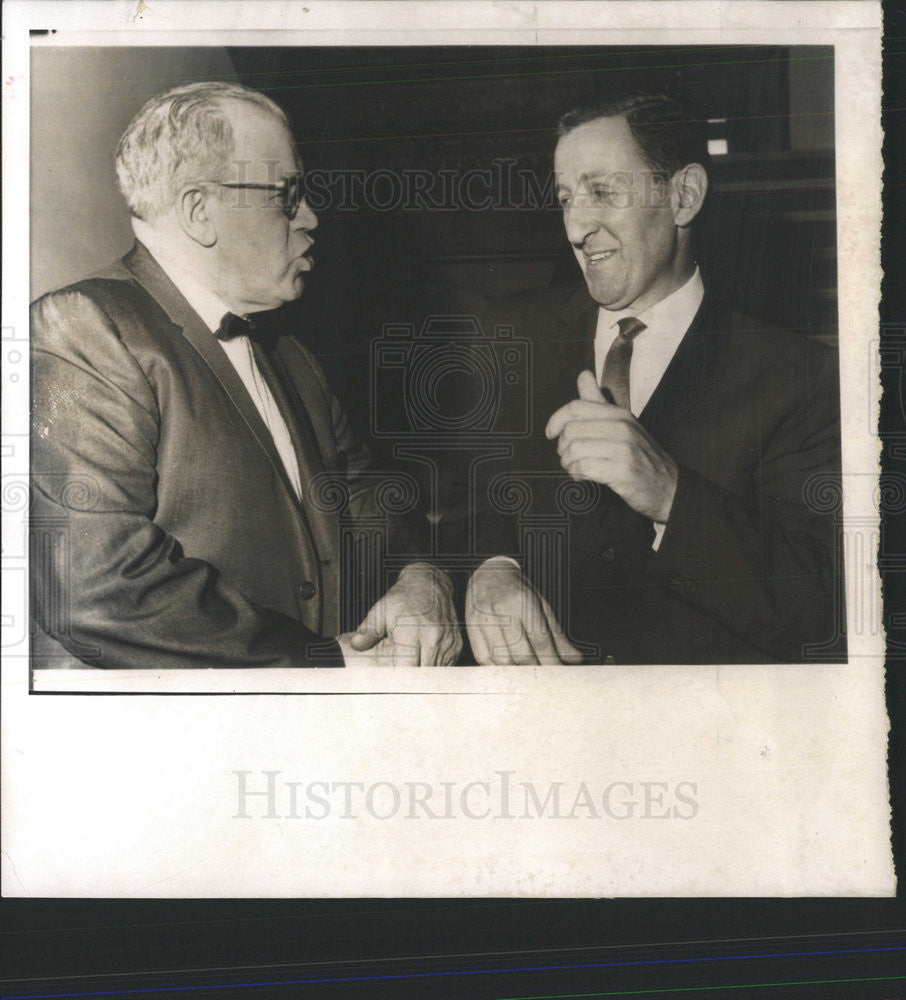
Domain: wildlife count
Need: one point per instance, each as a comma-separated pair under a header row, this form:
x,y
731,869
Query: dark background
x,y
821,948
769,227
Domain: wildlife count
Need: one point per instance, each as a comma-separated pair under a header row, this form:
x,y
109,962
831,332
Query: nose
x,y
304,218
580,219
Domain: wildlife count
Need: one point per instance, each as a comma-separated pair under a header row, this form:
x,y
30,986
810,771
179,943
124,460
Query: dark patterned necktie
x,y
615,377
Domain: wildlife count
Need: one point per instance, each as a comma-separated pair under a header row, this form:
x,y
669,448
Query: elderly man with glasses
x,y
179,436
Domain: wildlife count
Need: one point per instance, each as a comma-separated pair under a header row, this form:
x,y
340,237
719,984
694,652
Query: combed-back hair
x,y
667,134
178,137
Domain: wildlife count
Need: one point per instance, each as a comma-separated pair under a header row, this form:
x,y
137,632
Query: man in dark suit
x,y
700,437
190,466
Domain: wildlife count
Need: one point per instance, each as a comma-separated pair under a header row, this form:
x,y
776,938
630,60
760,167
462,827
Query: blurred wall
x,y
82,99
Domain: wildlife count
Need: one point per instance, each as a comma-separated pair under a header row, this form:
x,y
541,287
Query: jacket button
x,y
307,590
675,580
608,554
610,660
691,586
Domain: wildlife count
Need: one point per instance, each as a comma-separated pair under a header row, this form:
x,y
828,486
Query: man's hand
x,y
379,655
605,443
508,621
414,623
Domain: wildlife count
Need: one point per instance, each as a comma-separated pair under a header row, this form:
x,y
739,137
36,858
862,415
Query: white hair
x,y
178,137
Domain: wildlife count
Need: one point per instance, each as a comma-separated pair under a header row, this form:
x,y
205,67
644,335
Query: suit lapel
x,y
152,277
688,376
292,407
691,372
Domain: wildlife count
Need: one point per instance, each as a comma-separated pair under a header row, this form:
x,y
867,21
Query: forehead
x,y
602,145
260,139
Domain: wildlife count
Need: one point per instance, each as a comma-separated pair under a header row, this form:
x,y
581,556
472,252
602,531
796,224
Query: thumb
x,y
370,631
589,390
565,649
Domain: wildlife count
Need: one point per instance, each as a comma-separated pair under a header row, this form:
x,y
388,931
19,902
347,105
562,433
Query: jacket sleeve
x,y
108,583
766,565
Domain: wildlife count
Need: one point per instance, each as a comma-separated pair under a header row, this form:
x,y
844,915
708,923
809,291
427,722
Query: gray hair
x,y
177,137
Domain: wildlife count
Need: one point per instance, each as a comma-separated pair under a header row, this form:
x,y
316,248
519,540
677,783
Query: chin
x,y
607,297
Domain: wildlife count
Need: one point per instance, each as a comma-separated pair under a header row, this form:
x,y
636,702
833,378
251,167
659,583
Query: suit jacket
x,y
747,569
165,532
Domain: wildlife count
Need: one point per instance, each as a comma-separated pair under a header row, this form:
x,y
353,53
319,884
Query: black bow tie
x,y
261,330
232,326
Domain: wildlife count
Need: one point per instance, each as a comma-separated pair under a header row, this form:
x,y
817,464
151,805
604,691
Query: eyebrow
x,y
590,178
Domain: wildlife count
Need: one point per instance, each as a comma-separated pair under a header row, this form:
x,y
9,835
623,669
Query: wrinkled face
x,y
619,216
260,260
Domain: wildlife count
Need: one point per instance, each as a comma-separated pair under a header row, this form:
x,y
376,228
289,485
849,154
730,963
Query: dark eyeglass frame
x,y
290,187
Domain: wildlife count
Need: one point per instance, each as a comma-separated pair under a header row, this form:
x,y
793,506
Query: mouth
x,y
599,257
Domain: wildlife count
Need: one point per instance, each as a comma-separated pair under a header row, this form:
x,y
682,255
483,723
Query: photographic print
x,y
519,376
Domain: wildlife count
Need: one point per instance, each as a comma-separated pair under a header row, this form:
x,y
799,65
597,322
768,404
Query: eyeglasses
x,y
290,186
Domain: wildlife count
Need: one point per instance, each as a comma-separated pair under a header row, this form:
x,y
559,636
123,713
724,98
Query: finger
x,y
498,645
405,654
427,653
593,421
523,625
364,639
539,631
599,449
371,630
565,650
432,640
543,644
522,652
603,435
589,390
479,644
384,653
449,652
453,651
583,409
596,470
559,419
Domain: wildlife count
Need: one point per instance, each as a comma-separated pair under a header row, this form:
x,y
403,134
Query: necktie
x,y
232,326
261,330
615,377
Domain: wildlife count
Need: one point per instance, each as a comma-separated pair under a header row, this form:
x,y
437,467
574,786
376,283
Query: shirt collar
x,y
209,306
673,313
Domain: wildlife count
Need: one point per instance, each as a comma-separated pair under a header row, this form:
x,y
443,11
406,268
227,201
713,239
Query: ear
x,y
689,186
192,210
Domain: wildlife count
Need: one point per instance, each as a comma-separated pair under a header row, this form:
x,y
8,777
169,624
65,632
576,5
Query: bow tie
x,y
232,326
263,331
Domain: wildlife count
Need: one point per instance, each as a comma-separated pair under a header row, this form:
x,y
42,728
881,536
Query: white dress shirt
x,y
211,308
666,323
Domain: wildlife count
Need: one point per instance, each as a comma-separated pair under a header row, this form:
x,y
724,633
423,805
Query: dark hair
x,y
668,136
